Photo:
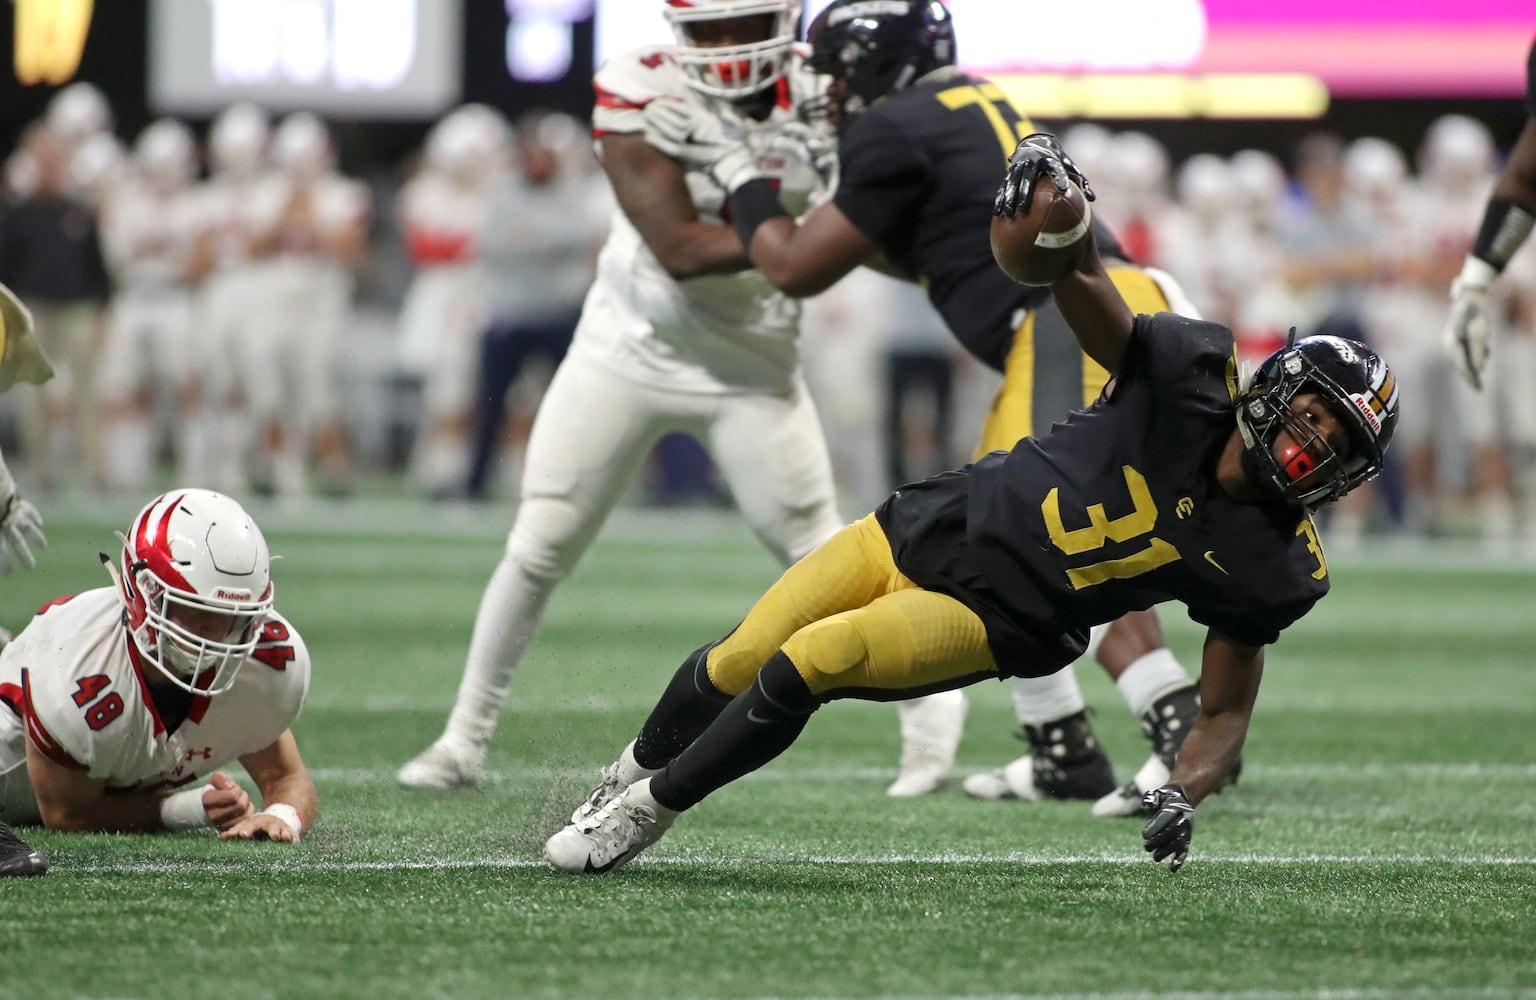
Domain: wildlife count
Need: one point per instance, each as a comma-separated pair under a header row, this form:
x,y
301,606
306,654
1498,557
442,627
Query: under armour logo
x,y
206,753
1185,507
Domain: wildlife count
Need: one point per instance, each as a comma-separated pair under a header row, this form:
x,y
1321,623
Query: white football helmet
x,y
165,154
1206,186
301,146
473,140
1457,150
736,70
237,141
78,111
1374,166
196,582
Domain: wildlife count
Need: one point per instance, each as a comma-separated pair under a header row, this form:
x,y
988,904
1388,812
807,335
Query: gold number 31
x,y
1101,530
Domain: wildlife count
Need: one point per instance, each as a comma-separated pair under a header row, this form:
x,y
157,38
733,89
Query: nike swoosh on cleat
x,y
602,869
1210,557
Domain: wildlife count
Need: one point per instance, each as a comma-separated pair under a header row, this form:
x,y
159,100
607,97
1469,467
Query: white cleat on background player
x,y
443,765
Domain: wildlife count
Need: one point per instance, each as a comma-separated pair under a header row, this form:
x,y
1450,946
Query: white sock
x,y
1149,678
1039,700
509,616
630,770
129,453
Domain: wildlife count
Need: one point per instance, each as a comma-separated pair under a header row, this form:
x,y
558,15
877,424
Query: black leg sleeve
x,y
689,704
757,726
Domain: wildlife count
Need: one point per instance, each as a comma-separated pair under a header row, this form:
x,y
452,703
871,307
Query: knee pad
x,y
549,537
824,651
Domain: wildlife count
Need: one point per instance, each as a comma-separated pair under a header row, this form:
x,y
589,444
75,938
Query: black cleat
x,y
17,857
1065,762
1166,725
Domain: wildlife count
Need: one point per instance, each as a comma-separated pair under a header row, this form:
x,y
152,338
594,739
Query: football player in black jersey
x,y
1507,222
919,141
1178,483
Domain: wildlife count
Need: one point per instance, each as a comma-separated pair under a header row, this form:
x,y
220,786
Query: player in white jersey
x,y
677,334
21,527
234,291
442,210
313,224
149,234
113,699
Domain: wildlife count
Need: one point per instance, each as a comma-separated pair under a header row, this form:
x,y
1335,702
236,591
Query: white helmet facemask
x,y
733,71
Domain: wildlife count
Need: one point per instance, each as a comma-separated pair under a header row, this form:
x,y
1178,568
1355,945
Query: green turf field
x,y
1382,844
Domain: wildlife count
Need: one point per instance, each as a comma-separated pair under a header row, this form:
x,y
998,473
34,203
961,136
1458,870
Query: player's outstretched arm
x,y
1507,222
290,804
650,188
68,799
1229,684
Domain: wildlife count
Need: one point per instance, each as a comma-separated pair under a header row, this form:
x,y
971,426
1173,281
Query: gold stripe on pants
x,y
847,618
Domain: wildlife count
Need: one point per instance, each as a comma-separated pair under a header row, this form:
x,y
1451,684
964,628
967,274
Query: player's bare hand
x,y
1037,155
260,826
226,803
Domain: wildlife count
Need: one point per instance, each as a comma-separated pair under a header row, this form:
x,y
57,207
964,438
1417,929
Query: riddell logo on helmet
x,y
1370,415
232,595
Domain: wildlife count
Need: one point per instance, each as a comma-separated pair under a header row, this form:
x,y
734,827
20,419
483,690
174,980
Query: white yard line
x,y
1014,859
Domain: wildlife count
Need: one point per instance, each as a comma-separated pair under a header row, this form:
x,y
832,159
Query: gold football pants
x,y
853,625
1047,375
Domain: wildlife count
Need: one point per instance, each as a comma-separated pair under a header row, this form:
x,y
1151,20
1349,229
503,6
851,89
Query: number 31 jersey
x,y
74,685
1115,510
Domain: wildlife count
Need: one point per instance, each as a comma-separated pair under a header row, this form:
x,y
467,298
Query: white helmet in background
x,y
1260,179
165,154
1088,143
96,164
78,111
237,141
1373,165
301,146
1206,186
474,139
1457,150
1139,164
740,69
195,579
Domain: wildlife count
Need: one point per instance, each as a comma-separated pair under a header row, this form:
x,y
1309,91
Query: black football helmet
x,y
877,47
1356,385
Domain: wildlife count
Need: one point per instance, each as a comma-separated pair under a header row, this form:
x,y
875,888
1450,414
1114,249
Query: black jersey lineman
x,y
1114,510
917,172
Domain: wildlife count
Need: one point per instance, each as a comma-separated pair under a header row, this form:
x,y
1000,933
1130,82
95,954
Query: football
x,y
1043,245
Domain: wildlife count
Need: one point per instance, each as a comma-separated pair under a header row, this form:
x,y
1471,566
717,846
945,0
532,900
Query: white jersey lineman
x,y
73,684
712,356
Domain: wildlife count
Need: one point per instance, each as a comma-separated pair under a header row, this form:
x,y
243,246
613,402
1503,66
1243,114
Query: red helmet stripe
x,y
150,545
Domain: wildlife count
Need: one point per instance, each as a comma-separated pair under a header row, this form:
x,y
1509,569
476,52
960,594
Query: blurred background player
x,y
677,334
234,292
50,256
918,145
153,360
540,239
311,224
116,697
442,210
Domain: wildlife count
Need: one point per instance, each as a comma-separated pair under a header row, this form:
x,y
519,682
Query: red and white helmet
x,y
237,140
195,555
165,154
737,70
301,146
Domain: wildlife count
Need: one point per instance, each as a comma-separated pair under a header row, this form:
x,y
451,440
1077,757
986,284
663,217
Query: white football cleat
x,y
1126,800
445,764
612,836
931,728
612,782
1014,780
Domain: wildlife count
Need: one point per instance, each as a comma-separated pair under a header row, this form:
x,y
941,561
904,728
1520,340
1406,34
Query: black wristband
x,y
753,204
1505,226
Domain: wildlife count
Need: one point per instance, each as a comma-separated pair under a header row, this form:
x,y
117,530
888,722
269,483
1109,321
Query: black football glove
x,y
1167,834
1036,155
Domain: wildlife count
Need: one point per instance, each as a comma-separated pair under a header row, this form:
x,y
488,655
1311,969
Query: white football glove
x,y
21,526
811,145
1467,332
698,139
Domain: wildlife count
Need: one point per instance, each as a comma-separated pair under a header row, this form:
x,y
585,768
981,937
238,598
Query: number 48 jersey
x,y
1115,510
74,685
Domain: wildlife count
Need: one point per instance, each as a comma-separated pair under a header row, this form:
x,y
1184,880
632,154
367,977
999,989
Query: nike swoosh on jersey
x,y
1210,557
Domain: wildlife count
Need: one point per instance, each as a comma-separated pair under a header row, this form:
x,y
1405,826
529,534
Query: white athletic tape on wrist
x,y
184,810
289,815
